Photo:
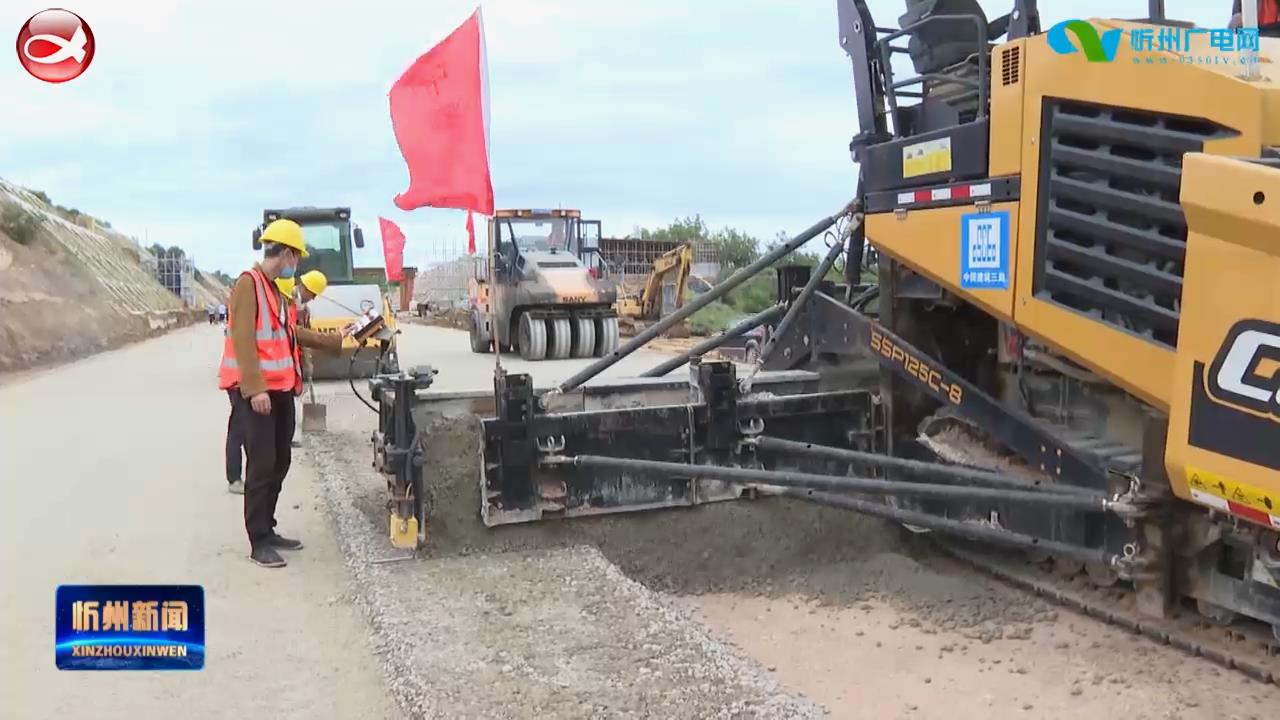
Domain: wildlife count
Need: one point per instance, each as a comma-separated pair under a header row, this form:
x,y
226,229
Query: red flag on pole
x,y
471,234
440,115
392,249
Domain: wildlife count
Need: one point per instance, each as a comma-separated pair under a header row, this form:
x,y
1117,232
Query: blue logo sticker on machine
x,y
129,627
984,251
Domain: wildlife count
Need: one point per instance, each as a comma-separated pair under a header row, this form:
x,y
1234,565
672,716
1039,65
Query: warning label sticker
x,y
926,158
1237,493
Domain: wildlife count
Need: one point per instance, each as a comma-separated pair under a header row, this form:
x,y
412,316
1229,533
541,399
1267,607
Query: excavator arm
x,y
679,261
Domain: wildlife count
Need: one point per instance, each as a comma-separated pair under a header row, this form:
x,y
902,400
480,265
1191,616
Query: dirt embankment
x,y
68,291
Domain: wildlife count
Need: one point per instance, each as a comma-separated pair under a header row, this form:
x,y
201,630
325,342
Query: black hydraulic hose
x,y
703,300
710,344
969,530
918,468
872,486
351,378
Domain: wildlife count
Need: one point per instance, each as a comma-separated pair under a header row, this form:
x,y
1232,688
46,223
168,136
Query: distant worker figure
x,y
222,312
313,283
262,367
1268,13
212,312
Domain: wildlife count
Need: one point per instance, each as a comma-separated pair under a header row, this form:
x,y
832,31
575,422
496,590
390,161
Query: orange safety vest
x,y
279,356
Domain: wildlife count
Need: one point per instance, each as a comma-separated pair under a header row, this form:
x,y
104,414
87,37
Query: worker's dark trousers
x,y
235,441
268,452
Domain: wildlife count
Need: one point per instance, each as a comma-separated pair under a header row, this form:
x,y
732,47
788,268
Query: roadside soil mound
x,y
68,291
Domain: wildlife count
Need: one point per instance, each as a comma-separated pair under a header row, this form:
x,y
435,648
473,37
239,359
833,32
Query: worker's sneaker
x,y
280,542
266,556
236,487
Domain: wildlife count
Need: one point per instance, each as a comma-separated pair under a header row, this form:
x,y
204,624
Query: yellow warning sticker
x,y
926,158
1236,492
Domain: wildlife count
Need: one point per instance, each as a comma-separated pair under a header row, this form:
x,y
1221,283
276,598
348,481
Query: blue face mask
x,y
288,271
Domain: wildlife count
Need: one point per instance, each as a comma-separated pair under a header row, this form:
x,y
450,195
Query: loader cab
x,y
329,234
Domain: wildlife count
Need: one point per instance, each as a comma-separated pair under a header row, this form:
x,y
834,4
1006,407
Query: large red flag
x,y
440,114
392,249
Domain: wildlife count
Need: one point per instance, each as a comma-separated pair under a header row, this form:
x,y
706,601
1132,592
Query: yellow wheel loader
x,y
331,237
1075,334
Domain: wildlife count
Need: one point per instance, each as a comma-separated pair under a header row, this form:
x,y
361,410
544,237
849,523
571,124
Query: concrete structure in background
x,y
630,259
177,275
442,285
405,296
447,269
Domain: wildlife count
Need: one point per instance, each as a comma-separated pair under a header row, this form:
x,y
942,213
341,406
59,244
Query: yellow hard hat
x,y
315,281
287,233
286,286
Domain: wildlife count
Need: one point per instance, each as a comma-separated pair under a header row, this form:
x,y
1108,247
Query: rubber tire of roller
x,y
606,336
559,338
532,338
584,337
479,342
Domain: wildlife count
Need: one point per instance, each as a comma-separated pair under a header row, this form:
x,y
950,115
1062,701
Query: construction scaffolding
x,y
630,259
447,270
445,275
176,273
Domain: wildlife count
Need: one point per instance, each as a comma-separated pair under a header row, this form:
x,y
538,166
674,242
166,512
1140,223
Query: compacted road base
x,y
113,473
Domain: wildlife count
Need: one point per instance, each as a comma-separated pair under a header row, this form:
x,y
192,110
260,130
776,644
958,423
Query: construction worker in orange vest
x,y
262,370
313,284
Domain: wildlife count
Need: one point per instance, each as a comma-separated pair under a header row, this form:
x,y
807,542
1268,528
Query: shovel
x,y
314,414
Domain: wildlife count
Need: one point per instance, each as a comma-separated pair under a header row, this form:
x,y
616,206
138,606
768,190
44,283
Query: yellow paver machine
x,y
1075,332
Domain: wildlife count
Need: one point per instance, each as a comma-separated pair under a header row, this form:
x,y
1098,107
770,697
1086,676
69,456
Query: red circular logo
x,y
55,45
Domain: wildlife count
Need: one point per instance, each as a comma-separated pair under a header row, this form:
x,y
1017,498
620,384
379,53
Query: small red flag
x,y
471,234
392,249
440,115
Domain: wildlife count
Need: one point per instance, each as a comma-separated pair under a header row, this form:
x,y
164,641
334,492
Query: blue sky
x,y
194,116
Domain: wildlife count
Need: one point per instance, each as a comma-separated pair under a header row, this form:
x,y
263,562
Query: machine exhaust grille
x,y
1111,237
1010,61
